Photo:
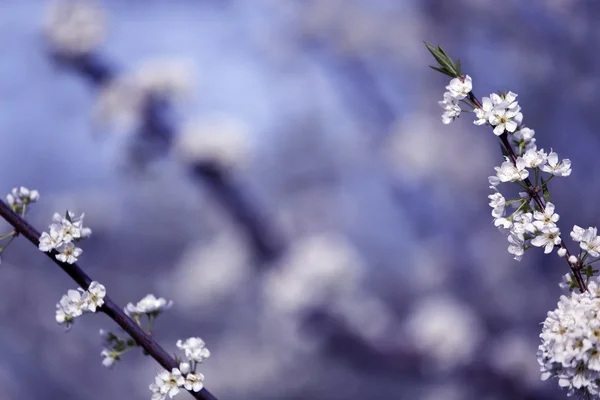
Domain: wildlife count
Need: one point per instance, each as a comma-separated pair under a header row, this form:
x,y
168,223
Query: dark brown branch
x,y
576,269
110,308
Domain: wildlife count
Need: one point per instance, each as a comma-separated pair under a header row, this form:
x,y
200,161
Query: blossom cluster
x,y
169,383
500,111
530,224
64,233
588,240
148,305
76,302
457,90
114,345
20,197
570,348
74,27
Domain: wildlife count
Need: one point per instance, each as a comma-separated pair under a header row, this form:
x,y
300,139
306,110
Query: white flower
x,y
509,172
71,227
503,121
94,296
216,139
63,232
590,242
110,358
503,223
493,180
451,108
525,134
50,241
523,138
497,202
194,349
148,305
11,200
562,252
185,368
509,100
548,238
24,195
534,158
570,342
566,281
546,219
483,114
76,302
555,168
517,245
63,317
459,88
577,233
519,119
193,382
443,330
156,392
69,307
20,197
167,384
502,112
523,223
68,253
572,260
74,27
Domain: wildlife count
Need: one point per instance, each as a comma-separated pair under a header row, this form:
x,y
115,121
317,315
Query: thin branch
x,y
576,269
110,308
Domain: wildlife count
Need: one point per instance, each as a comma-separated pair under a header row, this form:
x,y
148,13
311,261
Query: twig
x,y
576,269
109,307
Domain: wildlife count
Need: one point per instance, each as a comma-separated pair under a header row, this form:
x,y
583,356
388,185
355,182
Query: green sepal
x,y
545,191
458,67
443,71
448,66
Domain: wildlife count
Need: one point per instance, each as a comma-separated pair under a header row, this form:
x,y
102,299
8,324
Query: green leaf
x,y
546,193
432,50
458,68
443,60
442,70
448,59
572,285
449,65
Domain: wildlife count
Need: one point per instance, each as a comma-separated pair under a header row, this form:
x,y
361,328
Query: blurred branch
x,y
109,307
264,241
156,136
403,361
358,86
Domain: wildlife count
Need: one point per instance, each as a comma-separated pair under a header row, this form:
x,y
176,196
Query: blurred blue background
x,y
279,169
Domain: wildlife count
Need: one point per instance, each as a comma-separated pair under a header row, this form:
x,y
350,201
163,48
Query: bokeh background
x,y
279,169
